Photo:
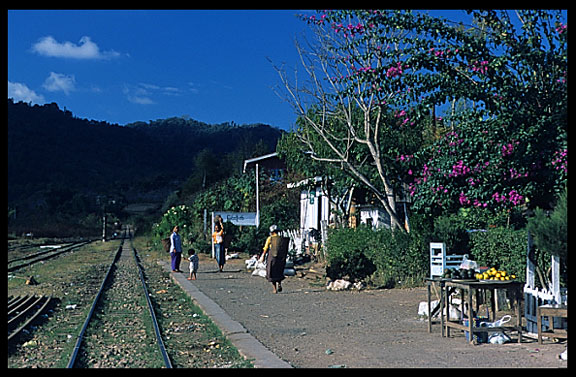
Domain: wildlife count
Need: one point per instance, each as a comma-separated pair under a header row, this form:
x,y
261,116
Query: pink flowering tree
x,y
354,114
509,147
466,115
343,122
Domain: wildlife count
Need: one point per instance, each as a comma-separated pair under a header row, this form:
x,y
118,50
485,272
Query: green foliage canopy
x,y
506,147
550,232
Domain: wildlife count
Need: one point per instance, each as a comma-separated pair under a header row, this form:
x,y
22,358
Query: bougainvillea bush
x,y
492,85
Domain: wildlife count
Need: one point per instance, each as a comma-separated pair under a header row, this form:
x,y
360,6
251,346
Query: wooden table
x,y
431,312
551,311
471,288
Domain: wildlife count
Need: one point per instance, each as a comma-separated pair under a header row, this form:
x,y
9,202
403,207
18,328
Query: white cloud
x,y
171,91
48,46
166,90
140,100
57,82
138,95
193,88
143,93
20,92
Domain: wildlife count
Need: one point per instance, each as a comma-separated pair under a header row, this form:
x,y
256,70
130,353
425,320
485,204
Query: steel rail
x,y
12,300
80,336
159,340
19,306
15,302
60,251
49,249
127,235
23,326
22,247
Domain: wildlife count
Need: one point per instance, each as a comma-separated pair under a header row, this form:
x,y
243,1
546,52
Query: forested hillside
x,y
60,164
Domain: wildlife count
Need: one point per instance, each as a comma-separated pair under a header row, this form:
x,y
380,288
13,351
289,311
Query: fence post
x,y
530,301
530,269
324,234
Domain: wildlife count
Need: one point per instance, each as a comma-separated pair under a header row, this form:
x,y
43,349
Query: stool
x,y
551,311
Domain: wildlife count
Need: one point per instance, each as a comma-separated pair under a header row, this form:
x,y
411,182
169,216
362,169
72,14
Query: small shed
x,y
374,216
273,165
314,204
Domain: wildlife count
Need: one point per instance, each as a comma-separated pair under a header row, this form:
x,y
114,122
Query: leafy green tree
x,y
550,232
345,119
233,194
335,182
378,75
508,148
180,215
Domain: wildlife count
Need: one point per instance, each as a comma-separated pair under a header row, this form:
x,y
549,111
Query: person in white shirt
x,y
175,249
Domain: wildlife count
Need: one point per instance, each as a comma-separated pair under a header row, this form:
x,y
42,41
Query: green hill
x,y
60,164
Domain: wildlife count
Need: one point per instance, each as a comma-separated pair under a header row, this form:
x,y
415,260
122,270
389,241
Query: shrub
x,y
401,259
550,232
452,231
247,239
177,215
502,248
346,256
385,258
353,265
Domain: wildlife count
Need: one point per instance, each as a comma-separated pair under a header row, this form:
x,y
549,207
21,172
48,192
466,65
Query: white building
x,y
316,208
314,204
374,216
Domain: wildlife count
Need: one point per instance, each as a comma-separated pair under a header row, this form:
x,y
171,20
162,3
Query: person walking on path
x,y
175,249
219,251
276,247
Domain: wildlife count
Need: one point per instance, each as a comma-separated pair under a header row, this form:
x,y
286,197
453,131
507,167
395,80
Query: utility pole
x,y
257,198
104,228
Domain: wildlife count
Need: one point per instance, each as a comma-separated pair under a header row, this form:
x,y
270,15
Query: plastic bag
x,y
498,338
499,322
468,264
259,272
251,263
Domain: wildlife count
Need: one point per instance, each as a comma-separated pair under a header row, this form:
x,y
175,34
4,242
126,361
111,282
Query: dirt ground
x,y
311,327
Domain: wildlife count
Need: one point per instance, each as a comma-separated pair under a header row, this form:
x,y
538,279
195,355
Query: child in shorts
x,y
193,258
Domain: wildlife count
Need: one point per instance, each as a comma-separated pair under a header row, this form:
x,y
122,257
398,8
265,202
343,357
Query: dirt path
x,y
311,327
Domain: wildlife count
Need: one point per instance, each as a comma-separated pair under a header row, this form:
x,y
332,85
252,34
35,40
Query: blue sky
x,y
123,66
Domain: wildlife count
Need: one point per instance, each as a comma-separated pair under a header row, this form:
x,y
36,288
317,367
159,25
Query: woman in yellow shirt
x,y
219,251
276,247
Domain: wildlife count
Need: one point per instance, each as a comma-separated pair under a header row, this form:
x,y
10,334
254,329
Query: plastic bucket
x,y
481,337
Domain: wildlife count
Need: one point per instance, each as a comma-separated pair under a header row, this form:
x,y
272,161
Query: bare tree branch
x,y
333,120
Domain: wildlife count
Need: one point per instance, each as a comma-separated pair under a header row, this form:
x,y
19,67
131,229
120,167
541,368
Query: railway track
x,y
23,311
121,329
121,332
49,252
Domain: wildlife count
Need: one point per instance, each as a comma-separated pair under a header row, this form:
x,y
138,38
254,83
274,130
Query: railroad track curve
x,y
23,311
